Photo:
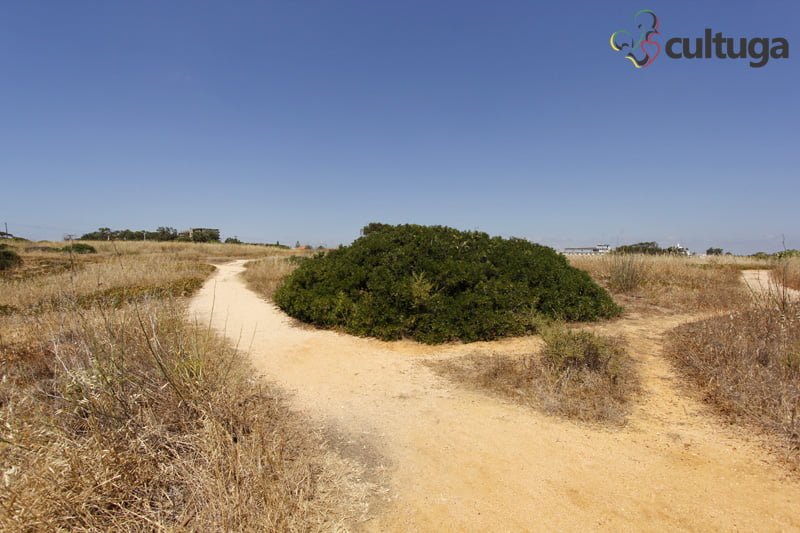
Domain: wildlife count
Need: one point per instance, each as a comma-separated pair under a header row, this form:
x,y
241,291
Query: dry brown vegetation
x,y
787,272
577,374
747,365
117,414
187,250
265,275
678,284
109,279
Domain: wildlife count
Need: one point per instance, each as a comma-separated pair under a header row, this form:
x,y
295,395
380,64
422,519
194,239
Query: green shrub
x,y
43,249
437,284
80,248
8,258
567,350
577,374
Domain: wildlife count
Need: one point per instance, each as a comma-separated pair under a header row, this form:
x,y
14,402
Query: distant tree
x,y
102,234
232,240
205,235
165,233
649,248
714,251
786,254
372,227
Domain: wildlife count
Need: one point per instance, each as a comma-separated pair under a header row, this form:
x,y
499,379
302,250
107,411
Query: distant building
x,y
680,250
200,234
191,232
598,249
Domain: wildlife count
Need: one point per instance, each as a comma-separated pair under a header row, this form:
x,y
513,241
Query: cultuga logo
x,y
641,49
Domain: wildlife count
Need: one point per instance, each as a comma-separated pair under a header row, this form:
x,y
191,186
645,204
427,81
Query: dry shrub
x,y
265,275
747,365
9,259
679,284
578,375
130,419
787,273
627,272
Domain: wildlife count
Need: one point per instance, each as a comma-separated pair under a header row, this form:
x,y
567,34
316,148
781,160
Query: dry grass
x,y
188,250
676,284
127,418
747,365
577,375
787,272
264,276
120,271
104,277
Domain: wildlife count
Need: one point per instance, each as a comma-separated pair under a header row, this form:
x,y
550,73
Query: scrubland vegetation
x,y
742,360
578,375
437,284
672,283
265,275
8,258
182,250
118,414
747,365
787,272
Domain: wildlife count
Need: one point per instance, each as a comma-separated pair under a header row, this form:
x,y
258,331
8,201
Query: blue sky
x,y
306,120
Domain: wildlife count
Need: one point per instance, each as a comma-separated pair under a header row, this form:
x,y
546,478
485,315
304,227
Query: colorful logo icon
x,y
641,51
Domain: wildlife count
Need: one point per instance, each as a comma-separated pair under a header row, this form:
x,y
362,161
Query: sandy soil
x,y
760,282
458,460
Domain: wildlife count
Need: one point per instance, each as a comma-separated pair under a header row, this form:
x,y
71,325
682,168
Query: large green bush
x,y
436,284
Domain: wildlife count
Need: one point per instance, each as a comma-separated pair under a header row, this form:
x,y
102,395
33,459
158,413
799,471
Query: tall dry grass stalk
x,y
627,272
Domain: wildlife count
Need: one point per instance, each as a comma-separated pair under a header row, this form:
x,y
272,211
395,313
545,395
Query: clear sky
x,y
295,120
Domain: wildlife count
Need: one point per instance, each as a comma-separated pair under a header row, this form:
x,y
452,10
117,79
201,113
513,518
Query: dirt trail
x,y
459,460
759,282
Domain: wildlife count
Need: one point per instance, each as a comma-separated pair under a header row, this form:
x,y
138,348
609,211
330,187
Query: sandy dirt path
x,y
759,282
458,460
